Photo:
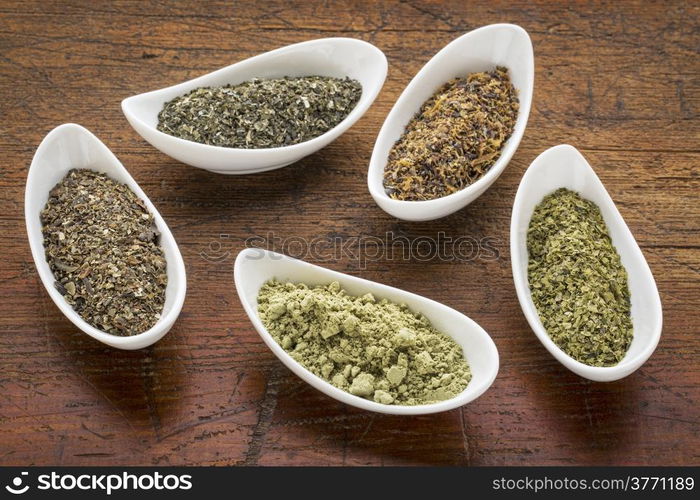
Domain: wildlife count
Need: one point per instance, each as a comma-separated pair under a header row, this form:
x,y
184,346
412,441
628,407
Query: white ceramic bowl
x,y
563,166
480,50
71,146
254,267
333,57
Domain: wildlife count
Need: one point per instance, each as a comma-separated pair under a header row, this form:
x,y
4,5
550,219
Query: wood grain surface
x,y
619,80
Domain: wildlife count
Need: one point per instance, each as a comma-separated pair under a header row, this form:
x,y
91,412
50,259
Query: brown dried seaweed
x,y
455,137
102,245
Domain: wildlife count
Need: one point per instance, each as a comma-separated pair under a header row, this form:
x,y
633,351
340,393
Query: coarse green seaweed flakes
x,y
372,348
577,281
261,113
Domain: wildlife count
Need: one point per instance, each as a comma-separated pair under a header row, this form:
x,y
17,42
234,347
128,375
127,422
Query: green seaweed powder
x,y
375,349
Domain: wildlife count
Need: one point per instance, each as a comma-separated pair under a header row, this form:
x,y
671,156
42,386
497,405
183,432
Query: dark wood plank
x,y
619,80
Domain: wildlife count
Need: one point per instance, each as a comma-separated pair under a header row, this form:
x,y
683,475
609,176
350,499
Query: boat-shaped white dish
x,y
564,166
255,267
333,57
71,146
480,50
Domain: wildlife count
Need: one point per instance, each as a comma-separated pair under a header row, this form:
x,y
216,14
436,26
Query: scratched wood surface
x,y
619,80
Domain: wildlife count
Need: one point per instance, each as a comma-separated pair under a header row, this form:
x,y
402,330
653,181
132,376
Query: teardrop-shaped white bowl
x,y
564,166
333,57
480,50
254,267
71,146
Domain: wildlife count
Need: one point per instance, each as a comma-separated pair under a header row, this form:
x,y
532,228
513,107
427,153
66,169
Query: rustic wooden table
x,y
619,80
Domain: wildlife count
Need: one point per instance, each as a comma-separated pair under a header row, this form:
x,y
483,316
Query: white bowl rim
x,y
366,99
596,373
164,323
330,390
375,173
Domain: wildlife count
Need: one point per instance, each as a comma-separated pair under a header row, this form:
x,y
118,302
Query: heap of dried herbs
x,y
577,280
455,137
261,113
102,245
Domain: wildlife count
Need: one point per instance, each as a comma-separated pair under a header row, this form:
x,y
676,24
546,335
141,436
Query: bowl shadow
x,y
142,387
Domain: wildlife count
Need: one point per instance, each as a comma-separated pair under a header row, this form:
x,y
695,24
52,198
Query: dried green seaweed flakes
x,y
577,280
101,244
261,113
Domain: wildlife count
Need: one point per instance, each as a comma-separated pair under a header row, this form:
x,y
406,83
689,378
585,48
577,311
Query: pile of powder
x,y
371,348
